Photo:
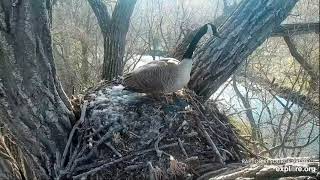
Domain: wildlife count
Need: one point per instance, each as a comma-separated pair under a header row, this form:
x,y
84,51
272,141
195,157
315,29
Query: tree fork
x,y
114,30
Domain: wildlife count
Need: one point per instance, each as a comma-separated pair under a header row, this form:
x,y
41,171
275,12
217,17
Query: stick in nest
x,y
113,149
93,169
182,148
156,147
204,132
66,149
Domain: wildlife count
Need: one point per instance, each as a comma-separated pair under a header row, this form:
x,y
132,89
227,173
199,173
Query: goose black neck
x,y
192,46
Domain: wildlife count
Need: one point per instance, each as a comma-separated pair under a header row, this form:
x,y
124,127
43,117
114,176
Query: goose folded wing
x,y
146,78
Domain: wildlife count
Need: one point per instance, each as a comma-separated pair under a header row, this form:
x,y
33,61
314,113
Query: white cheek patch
x,y
173,61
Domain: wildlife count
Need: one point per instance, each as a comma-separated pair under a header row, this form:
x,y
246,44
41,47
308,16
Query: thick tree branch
x,y
301,60
284,29
296,29
286,93
102,14
296,97
247,28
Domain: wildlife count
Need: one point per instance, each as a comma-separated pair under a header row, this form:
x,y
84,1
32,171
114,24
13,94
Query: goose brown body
x,y
166,75
162,76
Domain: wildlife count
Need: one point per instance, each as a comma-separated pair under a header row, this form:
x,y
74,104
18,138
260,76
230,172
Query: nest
x,y
126,135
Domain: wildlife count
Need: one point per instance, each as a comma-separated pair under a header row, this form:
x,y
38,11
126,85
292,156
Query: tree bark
x,y
282,30
102,14
114,30
248,27
84,61
33,105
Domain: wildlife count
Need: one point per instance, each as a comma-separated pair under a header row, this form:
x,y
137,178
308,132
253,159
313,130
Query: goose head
x,y
200,33
214,30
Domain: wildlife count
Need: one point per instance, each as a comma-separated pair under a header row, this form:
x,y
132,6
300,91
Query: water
x,y
268,112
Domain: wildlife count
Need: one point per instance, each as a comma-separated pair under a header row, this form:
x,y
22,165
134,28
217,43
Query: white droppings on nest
x,y
100,93
118,87
108,104
188,108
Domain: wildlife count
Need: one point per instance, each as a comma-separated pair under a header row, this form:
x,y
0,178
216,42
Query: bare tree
x,y
303,62
114,29
77,45
285,127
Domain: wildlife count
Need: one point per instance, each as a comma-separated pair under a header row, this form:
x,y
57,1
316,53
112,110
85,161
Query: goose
x,y
166,75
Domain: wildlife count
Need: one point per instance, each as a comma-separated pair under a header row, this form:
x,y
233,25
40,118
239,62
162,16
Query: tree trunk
x,y
114,30
248,27
33,105
84,62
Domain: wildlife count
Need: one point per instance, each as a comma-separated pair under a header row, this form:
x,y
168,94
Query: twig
x,y
95,147
219,137
192,158
156,146
73,157
107,164
243,110
113,149
133,134
205,133
209,140
226,151
57,164
83,112
225,86
150,168
182,148
182,125
195,103
134,167
95,132
102,167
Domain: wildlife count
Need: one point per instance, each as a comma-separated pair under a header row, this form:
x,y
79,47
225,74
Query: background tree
x,y
114,30
77,45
